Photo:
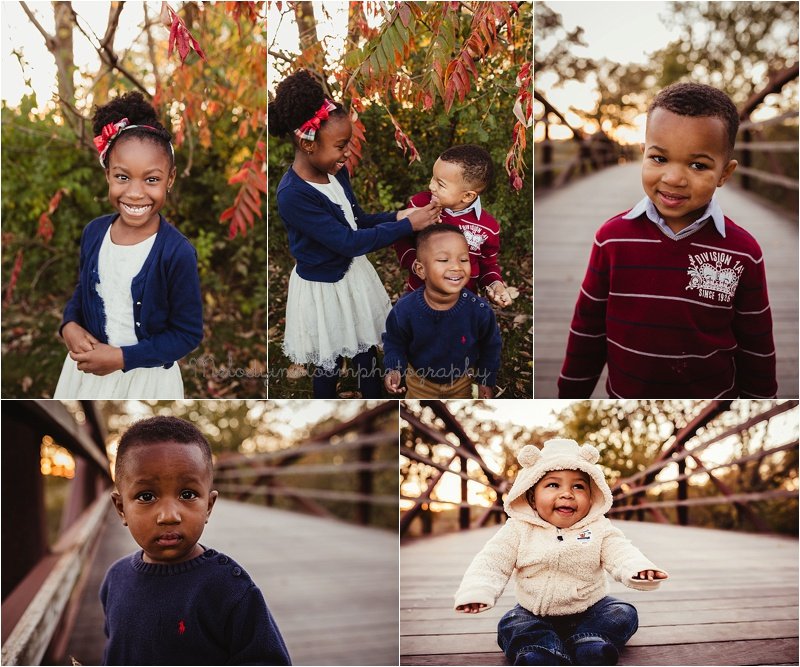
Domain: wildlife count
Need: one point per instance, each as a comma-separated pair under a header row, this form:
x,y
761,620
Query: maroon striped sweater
x,y
686,318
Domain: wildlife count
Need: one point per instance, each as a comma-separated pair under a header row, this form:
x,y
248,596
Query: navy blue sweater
x,y
204,611
167,307
442,345
320,239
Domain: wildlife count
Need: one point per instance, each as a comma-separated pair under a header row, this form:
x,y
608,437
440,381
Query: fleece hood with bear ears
x,y
559,454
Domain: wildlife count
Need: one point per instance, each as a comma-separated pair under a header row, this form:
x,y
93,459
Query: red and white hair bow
x,y
308,130
111,131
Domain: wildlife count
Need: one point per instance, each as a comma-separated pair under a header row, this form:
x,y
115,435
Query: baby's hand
x,y
420,218
650,575
485,391
102,360
77,339
471,607
498,293
392,381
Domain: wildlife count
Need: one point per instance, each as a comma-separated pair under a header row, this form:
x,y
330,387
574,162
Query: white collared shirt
x,y
713,211
476,206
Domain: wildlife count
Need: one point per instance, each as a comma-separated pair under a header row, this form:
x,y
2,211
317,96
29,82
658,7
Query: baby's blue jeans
x,y
528,639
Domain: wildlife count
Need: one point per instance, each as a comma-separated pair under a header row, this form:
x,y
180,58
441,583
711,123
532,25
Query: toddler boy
x,y
443,335
176,602
559,543
460,175
675,297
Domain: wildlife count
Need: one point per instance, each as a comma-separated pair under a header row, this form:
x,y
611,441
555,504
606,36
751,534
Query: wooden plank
x,y
375,439
28,641
484,642
776,179
320,494
644,606
721,609
301,469
55,417
649,618
772,652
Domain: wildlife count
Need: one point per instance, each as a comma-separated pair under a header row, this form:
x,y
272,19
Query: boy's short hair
x,y
475,162
424,236
699,100
160,429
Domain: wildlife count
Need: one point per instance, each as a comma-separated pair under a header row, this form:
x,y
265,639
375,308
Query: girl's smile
x,y
328,153
139,176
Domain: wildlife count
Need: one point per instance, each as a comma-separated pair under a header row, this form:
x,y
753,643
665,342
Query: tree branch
x,y
108,56
48,38
113,23
281,56
151,47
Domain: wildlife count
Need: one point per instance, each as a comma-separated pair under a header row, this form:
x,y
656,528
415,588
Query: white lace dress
x,y
118,265
328,320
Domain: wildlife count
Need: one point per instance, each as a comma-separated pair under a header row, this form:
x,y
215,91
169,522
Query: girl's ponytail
x,y
298,99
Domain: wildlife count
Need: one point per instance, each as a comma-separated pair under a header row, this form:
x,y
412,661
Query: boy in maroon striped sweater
x,y
675,297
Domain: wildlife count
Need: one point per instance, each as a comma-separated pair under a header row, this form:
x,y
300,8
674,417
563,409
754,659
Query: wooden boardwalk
x,y
332,587
565,222
731,599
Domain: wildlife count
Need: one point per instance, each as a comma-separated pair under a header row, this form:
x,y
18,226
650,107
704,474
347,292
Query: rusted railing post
x,y
365,485
463,511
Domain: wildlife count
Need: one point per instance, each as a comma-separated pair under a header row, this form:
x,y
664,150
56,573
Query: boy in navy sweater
x,y
176,602
675,297
443,335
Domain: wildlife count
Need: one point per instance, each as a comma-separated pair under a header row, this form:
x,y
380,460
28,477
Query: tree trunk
x,y
310,47
62,51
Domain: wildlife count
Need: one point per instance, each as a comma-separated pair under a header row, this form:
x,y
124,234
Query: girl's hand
x,y
392,381
420,218
485,391
102,360
498,293
77,339
651,575
471,607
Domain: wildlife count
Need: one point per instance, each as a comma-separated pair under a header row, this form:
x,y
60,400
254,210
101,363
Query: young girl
x,y
136,309
337,305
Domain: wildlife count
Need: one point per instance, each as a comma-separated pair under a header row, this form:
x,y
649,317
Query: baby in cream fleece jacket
x,y
558,542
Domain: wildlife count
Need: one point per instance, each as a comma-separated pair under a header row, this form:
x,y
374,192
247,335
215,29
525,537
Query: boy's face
x,y
448,186
685,161
562,497
444,264
164,497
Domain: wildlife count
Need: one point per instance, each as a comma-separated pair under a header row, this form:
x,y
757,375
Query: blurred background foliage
x,y
242,429
747,49
629,436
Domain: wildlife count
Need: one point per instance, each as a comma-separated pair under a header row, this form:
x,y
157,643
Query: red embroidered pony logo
x,y
181,627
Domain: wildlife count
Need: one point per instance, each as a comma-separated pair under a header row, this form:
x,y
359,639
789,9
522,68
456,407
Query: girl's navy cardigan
x,y
167,306
320,240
